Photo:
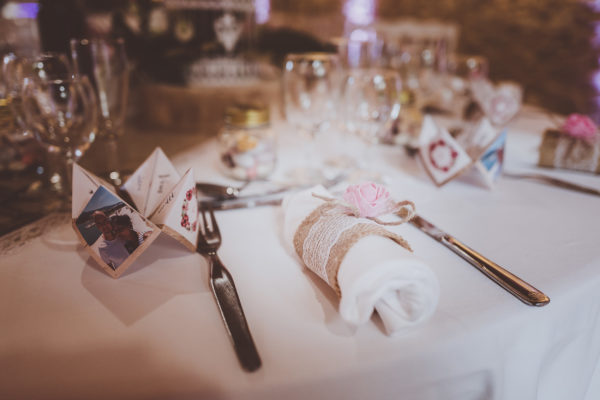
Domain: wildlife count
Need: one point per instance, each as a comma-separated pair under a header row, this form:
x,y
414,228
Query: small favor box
x,y
445,158
116,225
560,150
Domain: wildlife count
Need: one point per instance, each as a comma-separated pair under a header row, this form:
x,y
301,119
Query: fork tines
x,y
209,237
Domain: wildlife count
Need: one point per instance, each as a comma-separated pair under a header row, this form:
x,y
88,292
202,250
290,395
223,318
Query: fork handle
x,y
233,315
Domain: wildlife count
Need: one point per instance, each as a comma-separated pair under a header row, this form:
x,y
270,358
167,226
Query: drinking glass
x,y
370,103
62,114
16,69
311,92
105,64
361,51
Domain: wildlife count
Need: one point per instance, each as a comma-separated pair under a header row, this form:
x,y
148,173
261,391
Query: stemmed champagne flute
x,y
105,64
311,93
62,115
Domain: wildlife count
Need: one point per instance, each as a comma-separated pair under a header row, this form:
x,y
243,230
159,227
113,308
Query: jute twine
x,y
329,231
566,151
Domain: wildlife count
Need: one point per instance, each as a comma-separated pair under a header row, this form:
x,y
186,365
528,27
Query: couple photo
x,y
111,228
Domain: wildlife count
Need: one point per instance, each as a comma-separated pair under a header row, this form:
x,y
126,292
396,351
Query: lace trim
x,y
12,242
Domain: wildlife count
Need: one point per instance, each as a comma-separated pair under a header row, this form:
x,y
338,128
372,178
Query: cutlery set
x,y
224,197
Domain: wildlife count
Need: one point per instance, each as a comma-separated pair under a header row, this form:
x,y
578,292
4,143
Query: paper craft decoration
x,y
116,232
445,158
575,146
501,102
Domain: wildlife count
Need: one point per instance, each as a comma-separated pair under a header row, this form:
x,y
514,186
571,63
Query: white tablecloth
x,y
69,331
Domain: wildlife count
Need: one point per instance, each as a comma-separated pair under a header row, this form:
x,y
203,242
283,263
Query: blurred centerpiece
x,y
197,44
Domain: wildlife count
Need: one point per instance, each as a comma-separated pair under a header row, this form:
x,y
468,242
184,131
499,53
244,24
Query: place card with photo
x,y
112,232
154,199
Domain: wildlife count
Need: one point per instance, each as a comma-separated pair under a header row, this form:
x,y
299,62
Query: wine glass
x,y
311,93
62,114
16,69
105,64
370,104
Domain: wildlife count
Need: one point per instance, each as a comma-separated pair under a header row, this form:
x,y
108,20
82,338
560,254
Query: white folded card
x,y
377,273
114,232
445,158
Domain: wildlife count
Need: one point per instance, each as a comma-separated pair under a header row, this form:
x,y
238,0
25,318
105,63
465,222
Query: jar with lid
x,y
248,145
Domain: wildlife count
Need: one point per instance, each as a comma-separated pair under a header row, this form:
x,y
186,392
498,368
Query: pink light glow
x,y
262,9
360,12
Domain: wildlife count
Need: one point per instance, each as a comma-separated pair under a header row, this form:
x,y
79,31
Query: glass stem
x,y
67,173
112,156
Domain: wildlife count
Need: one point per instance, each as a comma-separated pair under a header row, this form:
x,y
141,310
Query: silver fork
x,y
221,283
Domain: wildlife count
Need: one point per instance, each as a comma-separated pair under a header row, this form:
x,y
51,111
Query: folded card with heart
x,y
445,157
500,102
116,225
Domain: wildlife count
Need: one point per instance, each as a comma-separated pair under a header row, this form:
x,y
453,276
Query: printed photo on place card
x,y
85,185
113,232
159,201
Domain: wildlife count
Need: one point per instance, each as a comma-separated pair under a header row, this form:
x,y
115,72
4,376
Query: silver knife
x,y
508,281
554,182
270,198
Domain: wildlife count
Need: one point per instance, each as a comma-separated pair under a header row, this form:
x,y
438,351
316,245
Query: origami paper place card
x,y
445,158
116,225
500,102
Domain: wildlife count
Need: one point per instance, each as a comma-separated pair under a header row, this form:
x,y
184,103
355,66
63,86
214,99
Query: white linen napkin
x,y
376,274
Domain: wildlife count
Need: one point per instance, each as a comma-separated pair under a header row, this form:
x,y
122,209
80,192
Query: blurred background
x,y
190,59
550,47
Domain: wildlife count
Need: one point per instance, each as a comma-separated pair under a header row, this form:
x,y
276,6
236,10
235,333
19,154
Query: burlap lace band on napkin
x,y
562,151
328,232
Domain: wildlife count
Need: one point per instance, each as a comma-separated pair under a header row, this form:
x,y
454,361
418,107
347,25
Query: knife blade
x,y
270,198
554,182
505,279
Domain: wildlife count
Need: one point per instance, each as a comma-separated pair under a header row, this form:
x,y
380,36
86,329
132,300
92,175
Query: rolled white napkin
x,y
375,274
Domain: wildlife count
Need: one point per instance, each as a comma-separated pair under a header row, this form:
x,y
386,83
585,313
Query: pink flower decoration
x,y
369,198
580,126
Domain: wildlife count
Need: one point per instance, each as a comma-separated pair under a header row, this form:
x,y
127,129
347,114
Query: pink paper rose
x,y
580,126
369,198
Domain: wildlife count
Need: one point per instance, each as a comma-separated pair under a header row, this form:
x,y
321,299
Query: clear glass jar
x,y
247,143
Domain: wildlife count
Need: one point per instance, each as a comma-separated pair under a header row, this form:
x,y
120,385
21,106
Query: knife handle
x,y
233,315
510,282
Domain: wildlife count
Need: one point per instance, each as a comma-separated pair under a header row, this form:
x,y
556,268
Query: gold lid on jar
x,y
6,116
247,115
